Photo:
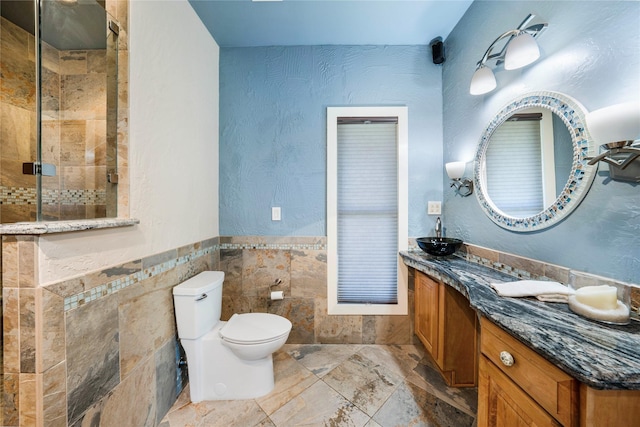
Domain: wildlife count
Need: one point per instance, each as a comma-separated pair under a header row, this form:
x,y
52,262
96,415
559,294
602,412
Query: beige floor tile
x,y
411,406
428,378
353,385
319,405
291,379
363,382
399,359
322,358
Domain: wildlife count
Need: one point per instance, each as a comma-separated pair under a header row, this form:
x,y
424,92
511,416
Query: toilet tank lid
x,y
200,283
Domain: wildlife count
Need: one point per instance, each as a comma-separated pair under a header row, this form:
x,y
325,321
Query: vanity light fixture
x,y
463,186
616,128
519,50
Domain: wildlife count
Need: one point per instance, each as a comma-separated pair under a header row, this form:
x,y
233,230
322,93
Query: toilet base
x,y
215,373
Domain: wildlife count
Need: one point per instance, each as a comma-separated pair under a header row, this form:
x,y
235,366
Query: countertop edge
x,y
51,227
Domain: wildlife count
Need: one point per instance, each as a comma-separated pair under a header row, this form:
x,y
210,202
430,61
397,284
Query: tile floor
x,y
341,385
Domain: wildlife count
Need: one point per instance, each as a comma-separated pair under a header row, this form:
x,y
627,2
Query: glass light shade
x,y
483,81
521,50
620,122
455,170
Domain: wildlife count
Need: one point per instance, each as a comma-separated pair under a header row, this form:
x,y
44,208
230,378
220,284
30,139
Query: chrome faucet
x,y
438,228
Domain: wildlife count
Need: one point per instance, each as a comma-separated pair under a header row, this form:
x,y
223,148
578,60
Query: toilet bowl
x,y
253,336
225,360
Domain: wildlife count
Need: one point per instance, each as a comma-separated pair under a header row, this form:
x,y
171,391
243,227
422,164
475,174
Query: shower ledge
x,y
36,228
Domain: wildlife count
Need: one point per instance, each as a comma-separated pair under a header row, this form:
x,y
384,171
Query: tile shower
x,y
78,102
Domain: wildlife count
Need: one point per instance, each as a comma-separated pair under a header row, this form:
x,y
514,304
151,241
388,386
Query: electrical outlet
x,y
434,208
275,214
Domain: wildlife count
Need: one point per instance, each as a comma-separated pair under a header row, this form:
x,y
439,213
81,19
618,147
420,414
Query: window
x,y
366,209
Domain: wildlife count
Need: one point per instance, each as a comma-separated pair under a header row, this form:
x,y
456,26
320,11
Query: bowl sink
x,y
439,246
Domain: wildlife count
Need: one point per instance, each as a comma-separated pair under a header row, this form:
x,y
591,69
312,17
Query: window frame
x,y
333,113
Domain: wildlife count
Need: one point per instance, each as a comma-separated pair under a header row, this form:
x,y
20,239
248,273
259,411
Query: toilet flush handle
x,y
201,297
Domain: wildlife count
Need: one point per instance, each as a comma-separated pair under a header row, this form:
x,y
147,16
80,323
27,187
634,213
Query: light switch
x,y
434,208
275,213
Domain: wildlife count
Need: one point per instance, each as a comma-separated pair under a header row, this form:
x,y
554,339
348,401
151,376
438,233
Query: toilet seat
x,y
255,328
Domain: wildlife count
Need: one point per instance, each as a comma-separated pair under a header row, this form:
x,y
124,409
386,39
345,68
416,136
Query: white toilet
x,y
226,360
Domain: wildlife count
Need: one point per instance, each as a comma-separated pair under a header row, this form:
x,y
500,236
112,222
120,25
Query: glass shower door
x,y
58,151
78,110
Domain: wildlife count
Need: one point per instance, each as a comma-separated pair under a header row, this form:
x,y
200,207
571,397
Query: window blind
x,y
367,213
514,168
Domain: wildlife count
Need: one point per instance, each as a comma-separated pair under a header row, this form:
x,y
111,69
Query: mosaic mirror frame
x,y
572,114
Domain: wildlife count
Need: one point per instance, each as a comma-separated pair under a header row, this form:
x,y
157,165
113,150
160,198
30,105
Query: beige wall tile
x,y
387,330
92,351
132,403
73,62
27,331
557,273
146,322
50,58
301,313
533,267
336,329
481,252
55,396
10,262
73,142
30,407
53,330
83,97
11,395
96,61
231,265
11,330
263,268
27,264
17,143
309,273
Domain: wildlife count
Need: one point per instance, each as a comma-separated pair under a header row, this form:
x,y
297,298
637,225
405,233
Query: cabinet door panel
x,y
426,312
501,403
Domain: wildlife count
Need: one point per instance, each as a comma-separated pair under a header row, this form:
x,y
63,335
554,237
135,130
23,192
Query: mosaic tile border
x,y
28,196
17,196
276,246
77,300
82,298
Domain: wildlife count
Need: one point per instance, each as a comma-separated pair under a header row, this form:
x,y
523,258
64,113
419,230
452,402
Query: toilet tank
x,y
198,304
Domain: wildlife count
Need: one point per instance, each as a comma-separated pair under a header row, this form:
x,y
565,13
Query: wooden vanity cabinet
x,y
447,326
518,387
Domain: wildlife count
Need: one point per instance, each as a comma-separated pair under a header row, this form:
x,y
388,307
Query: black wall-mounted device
x,y
437,50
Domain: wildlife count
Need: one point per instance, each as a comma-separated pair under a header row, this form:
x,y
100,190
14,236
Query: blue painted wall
x,y
591,51
273,104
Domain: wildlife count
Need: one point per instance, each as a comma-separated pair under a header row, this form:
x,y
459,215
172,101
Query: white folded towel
x,y
542,290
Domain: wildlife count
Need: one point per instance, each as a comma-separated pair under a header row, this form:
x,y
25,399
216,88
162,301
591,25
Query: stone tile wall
x,y
93,350
255,266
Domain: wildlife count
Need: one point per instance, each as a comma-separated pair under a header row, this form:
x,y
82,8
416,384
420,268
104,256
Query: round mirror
x,y
531,166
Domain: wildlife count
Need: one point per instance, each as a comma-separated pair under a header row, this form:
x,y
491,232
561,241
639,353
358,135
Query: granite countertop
x,y
599,355
51,227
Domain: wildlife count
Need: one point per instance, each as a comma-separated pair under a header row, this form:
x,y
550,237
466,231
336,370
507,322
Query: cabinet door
x,y
426,308
501,403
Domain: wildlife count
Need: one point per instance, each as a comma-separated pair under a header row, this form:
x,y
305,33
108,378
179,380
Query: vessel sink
x,y
439,246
